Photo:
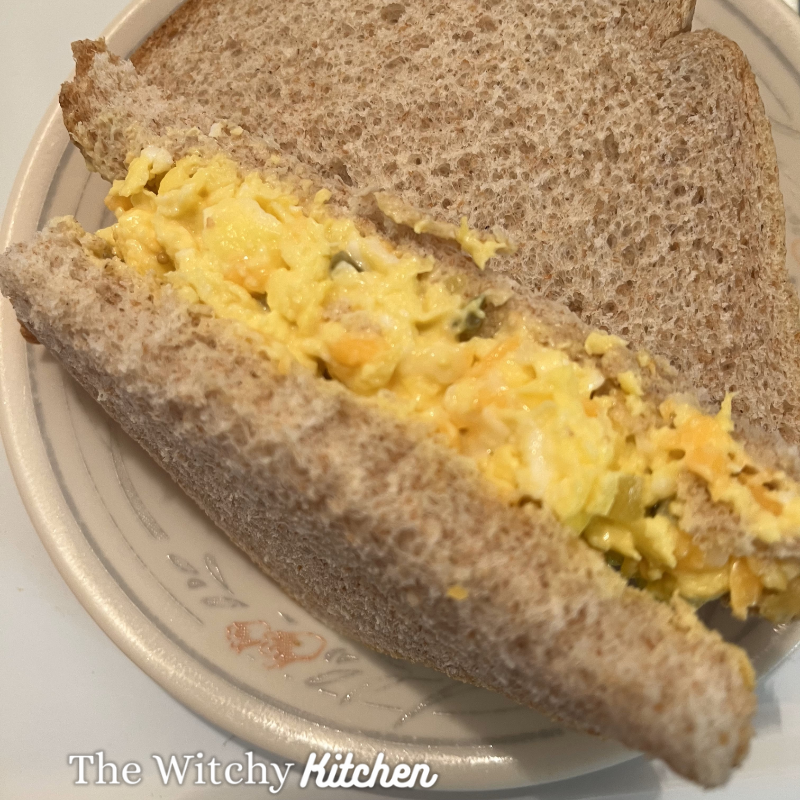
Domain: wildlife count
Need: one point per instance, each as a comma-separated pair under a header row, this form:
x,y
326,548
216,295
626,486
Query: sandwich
x,y
630,158
423,453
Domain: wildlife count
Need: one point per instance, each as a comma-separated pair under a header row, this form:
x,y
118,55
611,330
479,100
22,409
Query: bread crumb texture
x,y
632,161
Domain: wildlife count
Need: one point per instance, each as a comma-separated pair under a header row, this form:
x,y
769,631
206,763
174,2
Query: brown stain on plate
x,y
279,648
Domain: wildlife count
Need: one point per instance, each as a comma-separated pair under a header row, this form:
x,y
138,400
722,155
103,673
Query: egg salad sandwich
x,y
630,159
423,453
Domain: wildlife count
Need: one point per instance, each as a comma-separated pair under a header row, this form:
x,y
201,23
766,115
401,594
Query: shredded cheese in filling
x,y
545,428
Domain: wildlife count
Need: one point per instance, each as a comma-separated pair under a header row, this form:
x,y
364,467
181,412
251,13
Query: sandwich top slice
x,y
425,456
631,160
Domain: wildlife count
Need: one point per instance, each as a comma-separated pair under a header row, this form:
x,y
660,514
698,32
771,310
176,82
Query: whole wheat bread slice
x,y
631,160
360,517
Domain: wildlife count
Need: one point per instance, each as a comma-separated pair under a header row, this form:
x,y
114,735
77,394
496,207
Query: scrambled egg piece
x,y
544,428
598,343
457,592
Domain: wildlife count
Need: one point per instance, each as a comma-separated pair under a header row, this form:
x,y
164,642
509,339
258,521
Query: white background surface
x,y
65,688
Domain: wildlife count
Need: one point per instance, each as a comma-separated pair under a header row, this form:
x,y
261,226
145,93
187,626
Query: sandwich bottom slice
x,y
424,456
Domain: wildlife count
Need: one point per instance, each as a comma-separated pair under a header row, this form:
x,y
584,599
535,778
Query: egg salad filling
x,y
546,429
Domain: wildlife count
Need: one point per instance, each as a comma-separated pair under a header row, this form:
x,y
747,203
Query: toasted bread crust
x,y
367,524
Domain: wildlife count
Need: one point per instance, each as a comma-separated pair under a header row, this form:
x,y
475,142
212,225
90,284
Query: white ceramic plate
x,y
195,614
